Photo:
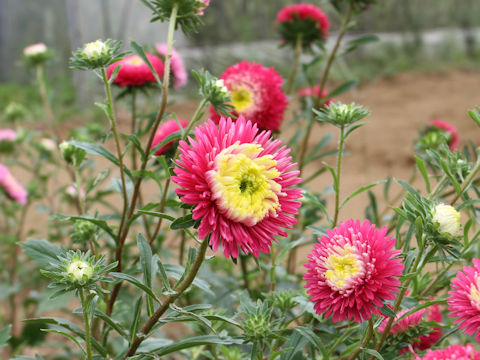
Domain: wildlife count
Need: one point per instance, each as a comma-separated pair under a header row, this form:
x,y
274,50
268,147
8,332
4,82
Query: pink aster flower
x,y
256,93
134,71
464,300
165,130
452,352
450,130
7,135
352,270
305,20
11,186
314,92
241,183
202,8
423,342
178,69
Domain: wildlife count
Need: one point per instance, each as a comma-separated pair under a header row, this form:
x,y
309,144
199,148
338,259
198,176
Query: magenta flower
x,y
7,135
352,270
164,130
256,93
452,352
134,71
315,91
464,300
11,186
451,131
241,183
201,8
179,73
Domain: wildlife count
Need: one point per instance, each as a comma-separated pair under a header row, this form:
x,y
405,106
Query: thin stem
x,y
467,182
243,264
88,339
435,281
398,302
195,119
338,174
136,189
365,341
80,199
296,58
42,85
273,279
318,100
142,335
113,123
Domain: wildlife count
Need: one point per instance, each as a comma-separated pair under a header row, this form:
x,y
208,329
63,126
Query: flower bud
x,y
83,231
342,115
36,54
14,111
79,271
71,154
95,50
96,54
47,145
447,219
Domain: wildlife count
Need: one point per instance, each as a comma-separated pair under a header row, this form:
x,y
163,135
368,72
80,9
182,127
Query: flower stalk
x,y
88,339
296,59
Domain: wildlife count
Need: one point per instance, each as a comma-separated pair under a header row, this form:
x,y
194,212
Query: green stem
x,y
243,264
273,279
338,173
296,58
88,338
398,302
467,182
142,335
80,200
318,100
113,123
365,341
136,190
42,85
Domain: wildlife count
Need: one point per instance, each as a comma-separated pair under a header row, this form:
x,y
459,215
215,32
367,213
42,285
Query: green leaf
x,y
5,336
296,342
135,282
359,191
146,262
365,39
196,341
115,325
385,310
423,171
183,222
42,252
137,313
374,353
423,306
68,336
102,224
346,86
137,49
157,214
308,334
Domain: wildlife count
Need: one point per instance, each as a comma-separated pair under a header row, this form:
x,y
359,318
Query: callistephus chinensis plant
x,y
256,93
241,183
452,352
304,23
133,71
353,270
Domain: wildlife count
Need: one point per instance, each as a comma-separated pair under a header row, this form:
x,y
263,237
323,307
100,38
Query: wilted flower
x,y
447,219
304,21
11,186
178,68
241,183
464,300
256,93
352,270
452,352
165,130
135,72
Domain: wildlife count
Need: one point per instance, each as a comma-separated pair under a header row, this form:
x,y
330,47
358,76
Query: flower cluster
x,y
12,187
179,73
256,93
133,71
464,300
304,22
352,270
241,183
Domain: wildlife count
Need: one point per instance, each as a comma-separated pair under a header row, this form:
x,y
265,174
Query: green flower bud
x,y
341,115
79,271
97,54
72,154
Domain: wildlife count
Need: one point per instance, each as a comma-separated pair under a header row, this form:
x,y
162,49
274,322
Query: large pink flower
x,y
352,270
452,352
256,93
305,20
165,130
178,69
134,71
11,186
464,300
241,183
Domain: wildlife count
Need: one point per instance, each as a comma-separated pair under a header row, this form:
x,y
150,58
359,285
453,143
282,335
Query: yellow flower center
x,y
243,183
135,60
475,293
241,99
342,266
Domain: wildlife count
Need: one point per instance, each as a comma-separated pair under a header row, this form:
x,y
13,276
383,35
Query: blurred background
x,y
414,34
